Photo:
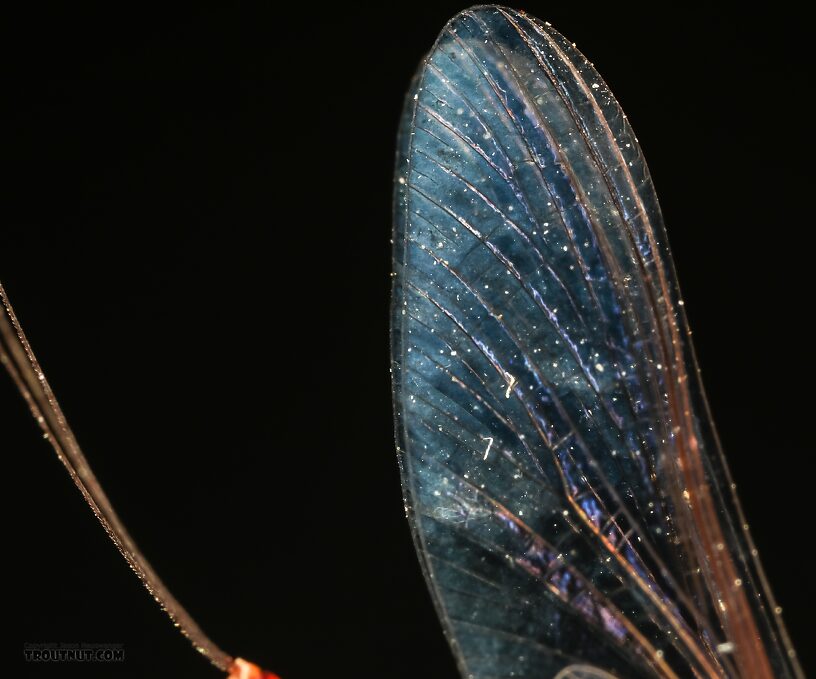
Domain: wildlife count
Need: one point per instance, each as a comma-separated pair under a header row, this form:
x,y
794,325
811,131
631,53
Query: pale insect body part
x,y
489,440
511,381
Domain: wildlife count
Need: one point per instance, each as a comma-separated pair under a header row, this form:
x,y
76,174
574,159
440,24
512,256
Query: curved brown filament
x,y
20,362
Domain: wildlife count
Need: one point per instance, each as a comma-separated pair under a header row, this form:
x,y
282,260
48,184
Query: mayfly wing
x,y
569,502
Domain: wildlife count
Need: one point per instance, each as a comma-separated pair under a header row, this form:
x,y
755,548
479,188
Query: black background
x,y
196,240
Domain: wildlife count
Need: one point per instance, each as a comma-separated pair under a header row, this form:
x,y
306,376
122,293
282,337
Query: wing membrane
x,y
562,477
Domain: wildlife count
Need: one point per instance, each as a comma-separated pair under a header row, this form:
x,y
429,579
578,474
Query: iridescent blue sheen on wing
x,y
559,469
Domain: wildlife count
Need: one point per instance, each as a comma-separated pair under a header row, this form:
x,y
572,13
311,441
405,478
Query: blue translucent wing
x,y
568,499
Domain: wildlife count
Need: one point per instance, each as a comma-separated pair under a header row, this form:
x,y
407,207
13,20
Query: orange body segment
x,y
242,669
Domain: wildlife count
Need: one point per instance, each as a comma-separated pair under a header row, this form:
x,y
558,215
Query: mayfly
x,y
569,503
535,306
